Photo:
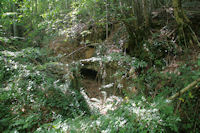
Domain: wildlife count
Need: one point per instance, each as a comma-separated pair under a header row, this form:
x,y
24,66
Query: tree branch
x,y
184,89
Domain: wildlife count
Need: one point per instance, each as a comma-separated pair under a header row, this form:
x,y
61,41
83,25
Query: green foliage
x,y
168,82
131,116
30,97
159,50
42,95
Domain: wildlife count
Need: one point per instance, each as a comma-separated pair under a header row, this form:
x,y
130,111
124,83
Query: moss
x,y
184,32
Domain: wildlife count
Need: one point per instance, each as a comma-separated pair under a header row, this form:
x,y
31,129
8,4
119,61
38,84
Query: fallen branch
x,y
184,89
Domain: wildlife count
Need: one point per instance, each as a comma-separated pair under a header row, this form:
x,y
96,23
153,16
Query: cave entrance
x,y
90,82
89,74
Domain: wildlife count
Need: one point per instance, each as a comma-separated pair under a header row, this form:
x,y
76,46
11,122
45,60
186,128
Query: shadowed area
x,y
88,73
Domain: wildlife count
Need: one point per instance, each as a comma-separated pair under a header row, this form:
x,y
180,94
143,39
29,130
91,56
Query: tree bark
x,y
137,23
14,20
106,19
146,12
185,35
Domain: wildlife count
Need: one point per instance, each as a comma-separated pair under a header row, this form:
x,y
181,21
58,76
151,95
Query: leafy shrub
x,y
155,83
131,116
30,95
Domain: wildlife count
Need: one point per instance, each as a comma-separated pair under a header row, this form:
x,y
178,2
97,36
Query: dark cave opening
x,y
88,73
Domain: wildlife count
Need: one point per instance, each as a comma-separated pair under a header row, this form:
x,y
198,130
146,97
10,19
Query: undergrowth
x,y
40,95
31,95
131,116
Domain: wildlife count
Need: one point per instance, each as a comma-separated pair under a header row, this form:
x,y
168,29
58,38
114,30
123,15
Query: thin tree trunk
x,y
106,19
66,4
36,3
146,13
14,20
32,4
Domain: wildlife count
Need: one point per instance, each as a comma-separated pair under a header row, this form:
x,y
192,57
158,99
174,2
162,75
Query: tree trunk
x,y
106,19
36,7
136,20
137,27
185,34
66,4
14,20
146,12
